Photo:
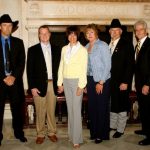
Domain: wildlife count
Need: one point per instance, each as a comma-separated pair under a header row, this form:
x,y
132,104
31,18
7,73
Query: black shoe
x,y
145,142
117,134
97,141
22,139
139,132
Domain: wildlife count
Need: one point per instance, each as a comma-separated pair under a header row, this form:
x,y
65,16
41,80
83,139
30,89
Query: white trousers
x,y
118,121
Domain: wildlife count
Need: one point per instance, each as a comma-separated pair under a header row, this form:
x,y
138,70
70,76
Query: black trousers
x,y
99,109
144,110
14,95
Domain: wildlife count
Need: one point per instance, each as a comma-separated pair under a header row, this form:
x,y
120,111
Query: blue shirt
x,y
3,46
99,61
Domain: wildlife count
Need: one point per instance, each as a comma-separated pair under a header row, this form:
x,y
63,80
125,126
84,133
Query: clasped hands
x,y
9,80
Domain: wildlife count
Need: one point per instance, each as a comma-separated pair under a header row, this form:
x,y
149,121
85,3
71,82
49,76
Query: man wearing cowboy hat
x,y
122,52
12,62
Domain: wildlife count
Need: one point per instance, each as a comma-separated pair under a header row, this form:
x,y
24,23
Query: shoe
x,y
40,140
22,138
145,142
76,146
97,141
139,132
53,138
117,134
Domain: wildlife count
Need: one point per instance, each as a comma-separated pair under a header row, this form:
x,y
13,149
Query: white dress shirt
x,y
48,58
113,44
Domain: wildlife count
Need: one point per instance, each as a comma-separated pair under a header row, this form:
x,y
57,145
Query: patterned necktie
x,y
137,49
7,56
112,47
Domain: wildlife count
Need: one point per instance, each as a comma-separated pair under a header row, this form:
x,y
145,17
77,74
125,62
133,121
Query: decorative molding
x,y
147,10
83,10
34,9
99,0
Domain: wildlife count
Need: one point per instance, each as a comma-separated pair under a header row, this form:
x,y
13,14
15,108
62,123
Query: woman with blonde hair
x,y
98,84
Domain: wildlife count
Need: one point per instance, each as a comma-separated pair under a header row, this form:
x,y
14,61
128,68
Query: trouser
x,y
45,112
16,104
74,103
144,109
118,121
99,109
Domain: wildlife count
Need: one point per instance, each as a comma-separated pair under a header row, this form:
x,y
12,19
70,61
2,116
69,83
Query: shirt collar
x,y
115,41
3,39
142,41
43,45
74,46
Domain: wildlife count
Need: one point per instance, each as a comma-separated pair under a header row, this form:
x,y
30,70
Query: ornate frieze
x,y
98,0
86,11
146,10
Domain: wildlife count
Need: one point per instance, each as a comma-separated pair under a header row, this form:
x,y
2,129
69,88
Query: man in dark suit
x,y
42,65
142,77
12,62
121,76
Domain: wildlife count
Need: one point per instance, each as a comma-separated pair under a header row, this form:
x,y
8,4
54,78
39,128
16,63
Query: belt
x,y
50,80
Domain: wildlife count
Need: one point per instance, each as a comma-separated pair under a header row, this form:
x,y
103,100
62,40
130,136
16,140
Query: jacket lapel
x,y
1,55
117,47
143,47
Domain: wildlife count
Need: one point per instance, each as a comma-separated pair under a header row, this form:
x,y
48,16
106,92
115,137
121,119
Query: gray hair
x,y
141,22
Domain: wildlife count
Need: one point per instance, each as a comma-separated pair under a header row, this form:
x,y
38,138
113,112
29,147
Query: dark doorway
x,y
60,39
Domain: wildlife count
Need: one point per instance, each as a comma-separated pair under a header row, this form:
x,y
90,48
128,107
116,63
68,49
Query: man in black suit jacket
x,y
11,83
142,77
42,66
121,76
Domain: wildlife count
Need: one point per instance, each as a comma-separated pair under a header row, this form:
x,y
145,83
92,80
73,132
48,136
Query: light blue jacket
x,y
99,61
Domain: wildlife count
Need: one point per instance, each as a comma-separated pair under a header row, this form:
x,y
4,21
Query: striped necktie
x,y
137,49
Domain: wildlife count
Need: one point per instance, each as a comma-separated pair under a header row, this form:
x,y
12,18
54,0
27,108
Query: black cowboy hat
x,y
6,19
115,23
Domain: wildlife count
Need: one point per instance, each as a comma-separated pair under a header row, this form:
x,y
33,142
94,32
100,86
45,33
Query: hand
x,y
60,89
99,88
85,90
123,86
9,80
79,91
145,90
35,92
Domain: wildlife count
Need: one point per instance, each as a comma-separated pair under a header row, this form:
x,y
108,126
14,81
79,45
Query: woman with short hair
x,y
72,79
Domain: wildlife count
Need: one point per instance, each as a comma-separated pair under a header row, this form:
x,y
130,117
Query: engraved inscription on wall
x,y
72,9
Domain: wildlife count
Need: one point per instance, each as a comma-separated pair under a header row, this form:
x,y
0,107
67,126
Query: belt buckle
x,y
50,80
